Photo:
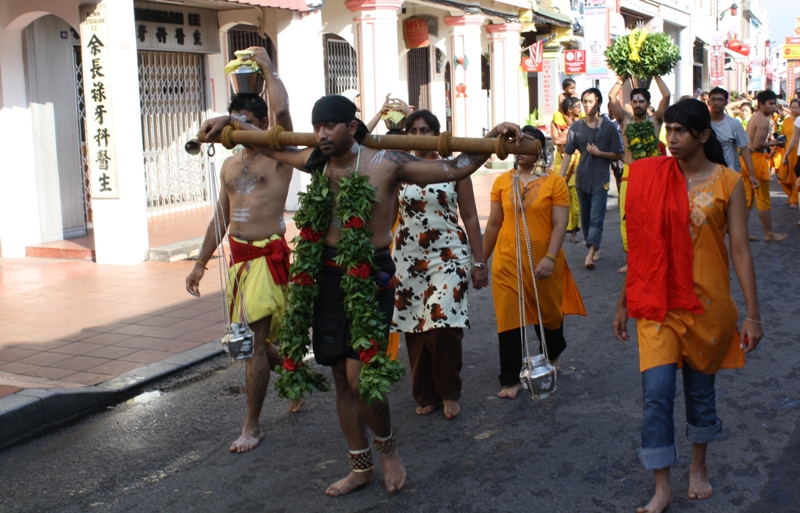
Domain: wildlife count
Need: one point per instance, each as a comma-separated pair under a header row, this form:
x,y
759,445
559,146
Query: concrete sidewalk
x,y
75,335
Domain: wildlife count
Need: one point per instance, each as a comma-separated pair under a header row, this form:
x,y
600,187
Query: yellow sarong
x,y
257,294
623,192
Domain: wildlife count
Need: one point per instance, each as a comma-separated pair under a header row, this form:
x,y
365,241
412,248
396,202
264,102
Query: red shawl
x,y
660,274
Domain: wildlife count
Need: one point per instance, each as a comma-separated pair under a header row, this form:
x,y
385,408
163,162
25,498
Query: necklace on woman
x,y
247,164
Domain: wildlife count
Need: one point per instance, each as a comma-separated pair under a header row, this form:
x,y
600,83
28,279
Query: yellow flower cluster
x,y
635,41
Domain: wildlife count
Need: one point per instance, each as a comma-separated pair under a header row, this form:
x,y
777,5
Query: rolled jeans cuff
x,y
657,458
704,435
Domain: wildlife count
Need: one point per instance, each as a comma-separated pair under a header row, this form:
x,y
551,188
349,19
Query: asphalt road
x,y
166,450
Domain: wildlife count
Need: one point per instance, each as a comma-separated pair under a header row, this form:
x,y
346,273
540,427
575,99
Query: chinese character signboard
x,y
100,136
170,27
791,52
415,33
717,65
574,62
596,39
790,67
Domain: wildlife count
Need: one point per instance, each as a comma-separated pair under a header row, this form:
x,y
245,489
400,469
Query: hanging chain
x,y
222,236
519,212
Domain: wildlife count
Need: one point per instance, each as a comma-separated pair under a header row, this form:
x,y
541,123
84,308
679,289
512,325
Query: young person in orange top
x,y
678,290
786,170
569,111
545,201
251,202
759,134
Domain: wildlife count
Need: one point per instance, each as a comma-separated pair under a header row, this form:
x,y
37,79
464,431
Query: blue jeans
x,y
658,427
593,213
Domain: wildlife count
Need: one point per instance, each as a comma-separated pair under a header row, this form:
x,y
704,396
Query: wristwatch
x,y
479,265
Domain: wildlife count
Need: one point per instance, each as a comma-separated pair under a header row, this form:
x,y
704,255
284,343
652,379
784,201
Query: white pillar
x,y
120,225
375,23
19,199
305,84
684,80
468,107
504,39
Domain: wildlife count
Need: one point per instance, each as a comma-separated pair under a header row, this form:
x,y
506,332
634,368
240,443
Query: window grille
x,y
419,77
341,66
87,200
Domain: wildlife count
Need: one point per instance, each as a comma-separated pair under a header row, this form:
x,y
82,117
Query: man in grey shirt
x,y
730,134
599,144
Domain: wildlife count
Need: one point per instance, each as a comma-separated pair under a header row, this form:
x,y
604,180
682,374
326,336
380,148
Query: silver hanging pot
x,y
245,80
239,342
538,376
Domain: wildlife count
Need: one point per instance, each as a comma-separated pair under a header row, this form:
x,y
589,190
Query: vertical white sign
x,y
596,41
100,137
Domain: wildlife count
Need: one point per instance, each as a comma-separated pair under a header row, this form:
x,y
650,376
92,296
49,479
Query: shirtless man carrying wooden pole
x,y
250,205
339,155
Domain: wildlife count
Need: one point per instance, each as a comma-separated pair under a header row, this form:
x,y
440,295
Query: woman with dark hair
x,y
545,206
678,290
434,257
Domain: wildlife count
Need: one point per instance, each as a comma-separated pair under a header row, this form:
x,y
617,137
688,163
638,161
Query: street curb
x,y
31,410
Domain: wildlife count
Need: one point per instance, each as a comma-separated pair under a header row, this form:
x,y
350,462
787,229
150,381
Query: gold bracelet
x,y
236,126
551,257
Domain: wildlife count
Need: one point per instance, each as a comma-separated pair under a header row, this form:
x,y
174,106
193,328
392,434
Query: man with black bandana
x,y
339,155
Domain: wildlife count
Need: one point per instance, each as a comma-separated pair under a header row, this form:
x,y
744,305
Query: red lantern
x,y
733,10
744,50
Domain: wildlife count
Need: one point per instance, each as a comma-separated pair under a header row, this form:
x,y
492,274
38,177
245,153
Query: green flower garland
x,y
356,255
642,140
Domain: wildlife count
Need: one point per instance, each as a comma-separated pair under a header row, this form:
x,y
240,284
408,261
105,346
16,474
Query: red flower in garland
x,y
302,279
362,271
354,222
289,364
307,233
366,355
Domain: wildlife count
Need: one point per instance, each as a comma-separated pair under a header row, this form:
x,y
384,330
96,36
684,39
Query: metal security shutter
x,y
172,97
341,65
419,78
87,199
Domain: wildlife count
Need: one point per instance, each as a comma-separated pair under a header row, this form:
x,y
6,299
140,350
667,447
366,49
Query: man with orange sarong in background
x,y
758,132
251,202
678,290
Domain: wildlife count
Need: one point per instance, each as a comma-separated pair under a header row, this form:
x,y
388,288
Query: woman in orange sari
x,y
678,290
545,205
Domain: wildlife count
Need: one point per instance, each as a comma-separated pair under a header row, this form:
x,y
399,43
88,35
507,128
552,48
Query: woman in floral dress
x,y
435,258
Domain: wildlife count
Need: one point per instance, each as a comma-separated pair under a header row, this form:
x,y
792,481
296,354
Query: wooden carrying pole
x,y
445,144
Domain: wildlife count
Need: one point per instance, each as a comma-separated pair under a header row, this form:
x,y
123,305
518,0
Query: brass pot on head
x,y
192,147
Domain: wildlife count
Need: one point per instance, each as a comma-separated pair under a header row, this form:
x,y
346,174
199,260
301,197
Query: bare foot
x,y
660,502
699,487
574,238
247,441
451,409
294,406
424,410
792,205
351,482
589,263
753,238
510,392
394,474
775,237
596,255
623,269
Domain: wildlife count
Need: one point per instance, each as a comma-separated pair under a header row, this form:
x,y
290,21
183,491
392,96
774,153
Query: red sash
x,y
276,252
660,254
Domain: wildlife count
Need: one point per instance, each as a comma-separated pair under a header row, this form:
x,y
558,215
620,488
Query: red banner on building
x,y
574,62
415,33
533,63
